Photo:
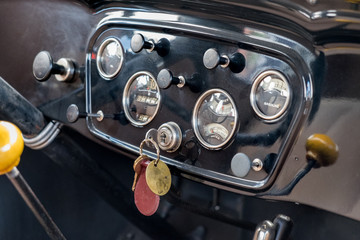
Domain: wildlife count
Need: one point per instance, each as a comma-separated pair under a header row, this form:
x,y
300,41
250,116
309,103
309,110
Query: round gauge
x,y
270,95
215,118
110,58
141,98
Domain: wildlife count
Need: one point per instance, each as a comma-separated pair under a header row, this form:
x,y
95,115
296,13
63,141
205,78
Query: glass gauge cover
x,y
215,119
141,98
270,95
110,58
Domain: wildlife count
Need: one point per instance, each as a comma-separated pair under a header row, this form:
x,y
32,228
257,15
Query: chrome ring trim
x,y
98,58
125,100
194,120
255,85
177,138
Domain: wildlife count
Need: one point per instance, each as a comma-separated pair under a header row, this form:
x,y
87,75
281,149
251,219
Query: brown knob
x,y
321,149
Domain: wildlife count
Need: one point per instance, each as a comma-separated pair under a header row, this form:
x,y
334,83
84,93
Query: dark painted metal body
x,y
315,46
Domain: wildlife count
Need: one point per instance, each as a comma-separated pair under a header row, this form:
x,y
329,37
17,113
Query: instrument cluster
x,y
217,111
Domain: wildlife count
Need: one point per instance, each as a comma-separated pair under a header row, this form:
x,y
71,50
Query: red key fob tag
x,y
146,201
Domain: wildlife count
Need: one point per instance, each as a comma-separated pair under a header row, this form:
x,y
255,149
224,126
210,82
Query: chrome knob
x,y
73,114
138,43
265,231
165,79
212,59
43,67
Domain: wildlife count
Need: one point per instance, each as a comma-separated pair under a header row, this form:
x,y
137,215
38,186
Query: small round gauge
x,y
110,58
215,119
270,95
141,98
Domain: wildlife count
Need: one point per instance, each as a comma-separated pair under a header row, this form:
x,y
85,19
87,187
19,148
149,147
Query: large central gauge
x,y
215,118
141,99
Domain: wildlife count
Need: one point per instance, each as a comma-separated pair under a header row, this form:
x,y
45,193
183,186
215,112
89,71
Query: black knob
x,y
138,43
212,59
165,78
237,62
195,83
44,66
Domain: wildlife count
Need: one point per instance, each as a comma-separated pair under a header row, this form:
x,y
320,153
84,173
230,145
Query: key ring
x,y
156,147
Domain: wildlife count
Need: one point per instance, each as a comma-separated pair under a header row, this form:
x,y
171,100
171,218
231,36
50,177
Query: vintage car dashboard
x,y
230,90
232,122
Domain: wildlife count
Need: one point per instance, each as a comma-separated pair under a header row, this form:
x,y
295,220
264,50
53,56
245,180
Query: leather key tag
x,y
146,201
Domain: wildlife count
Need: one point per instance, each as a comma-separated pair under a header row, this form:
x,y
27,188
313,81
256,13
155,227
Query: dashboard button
x,y
240,165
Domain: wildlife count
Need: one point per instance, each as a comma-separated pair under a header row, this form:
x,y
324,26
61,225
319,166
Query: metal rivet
x,y
257,164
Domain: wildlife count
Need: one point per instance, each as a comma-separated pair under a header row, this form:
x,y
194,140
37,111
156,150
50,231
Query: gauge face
x,y
141,98
110,58
270,95
214,119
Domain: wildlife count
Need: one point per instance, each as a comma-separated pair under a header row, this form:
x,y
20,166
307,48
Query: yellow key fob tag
x,y
158,177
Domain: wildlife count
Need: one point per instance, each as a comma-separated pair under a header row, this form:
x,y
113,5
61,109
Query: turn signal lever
x,y
65,69
11,148
279,229
321,151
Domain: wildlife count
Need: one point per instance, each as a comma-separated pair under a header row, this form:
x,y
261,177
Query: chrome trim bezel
x,y
125,99
98,58
194,120
253,103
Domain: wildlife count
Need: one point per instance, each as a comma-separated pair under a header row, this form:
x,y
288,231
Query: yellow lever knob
x,y
11,146
322,149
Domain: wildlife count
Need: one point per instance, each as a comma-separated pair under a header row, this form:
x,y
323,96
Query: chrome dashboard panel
x,y
264,49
